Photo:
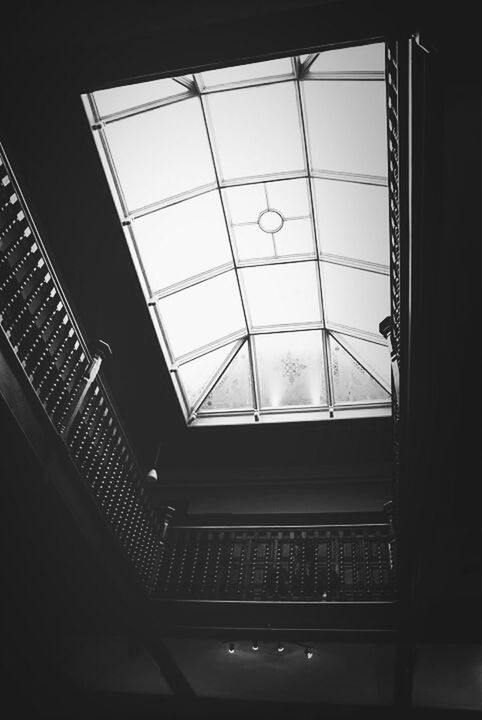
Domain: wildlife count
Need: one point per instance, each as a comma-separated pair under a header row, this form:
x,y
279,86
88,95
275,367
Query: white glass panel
x,y
290,197
353,220
128,96
161,153
290,369
252,242
352,384
282,294
375,358
245,202
182,240
361,58
295,238
270,68
234,389
196,375
200,314
257,130
347,126
355,298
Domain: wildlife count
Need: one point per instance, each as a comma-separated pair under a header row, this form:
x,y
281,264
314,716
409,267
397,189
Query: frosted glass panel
x,y
200,314
281,294
245,202
290,369
234,389
257,130
374,358
290,197
196,375
353,220
356,298
270,68
182,240
361,58
352,384
252,242
161,153
116,99
347,126
295,238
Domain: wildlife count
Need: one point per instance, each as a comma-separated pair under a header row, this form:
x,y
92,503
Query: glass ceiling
x,y
254,201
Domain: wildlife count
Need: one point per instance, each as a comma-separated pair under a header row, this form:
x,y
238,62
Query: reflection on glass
x,y
366,58
117,99
197,374
203,313
161,153
347,126
290,369
234,389
290,197
352,383
282,294
353,220
257,130
375,358
241,73
182,240
295,238
355,298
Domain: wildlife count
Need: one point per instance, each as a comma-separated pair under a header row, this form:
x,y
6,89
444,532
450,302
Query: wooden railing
x,y
305,563
43,333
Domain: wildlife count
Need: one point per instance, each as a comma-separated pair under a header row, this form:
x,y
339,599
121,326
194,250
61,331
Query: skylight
x,y
254,201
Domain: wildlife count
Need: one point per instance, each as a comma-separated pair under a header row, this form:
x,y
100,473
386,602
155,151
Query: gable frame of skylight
x,y
300,71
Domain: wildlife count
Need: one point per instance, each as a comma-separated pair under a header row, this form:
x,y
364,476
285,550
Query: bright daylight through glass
x,y
254,201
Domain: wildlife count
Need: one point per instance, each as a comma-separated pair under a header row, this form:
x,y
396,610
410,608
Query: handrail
x,y
42,330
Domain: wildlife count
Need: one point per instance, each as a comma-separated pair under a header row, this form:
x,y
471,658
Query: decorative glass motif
x,y
233,391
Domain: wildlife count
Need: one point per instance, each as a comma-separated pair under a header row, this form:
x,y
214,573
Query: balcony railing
x,y
45,337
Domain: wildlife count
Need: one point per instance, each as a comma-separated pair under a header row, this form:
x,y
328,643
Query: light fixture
x,y
231,648
309,653
280,647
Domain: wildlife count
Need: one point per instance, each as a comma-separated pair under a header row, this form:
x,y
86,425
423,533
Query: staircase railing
x,y
42,331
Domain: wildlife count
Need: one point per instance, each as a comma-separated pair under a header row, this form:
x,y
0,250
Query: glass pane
x,y
116,99
282,294
347,126
234,389
200,314
295,238
290,369
182,240
196,375
375,358
353,220
355,298
366,58
270,68
252,242
290,197
257,130
352,384
161,153
245,202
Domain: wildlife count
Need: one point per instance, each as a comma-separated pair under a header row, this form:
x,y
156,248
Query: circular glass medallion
x,y
270,221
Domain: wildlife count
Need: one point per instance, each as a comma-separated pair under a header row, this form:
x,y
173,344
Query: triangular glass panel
x,y
234,389
374,357
196,375
351,382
